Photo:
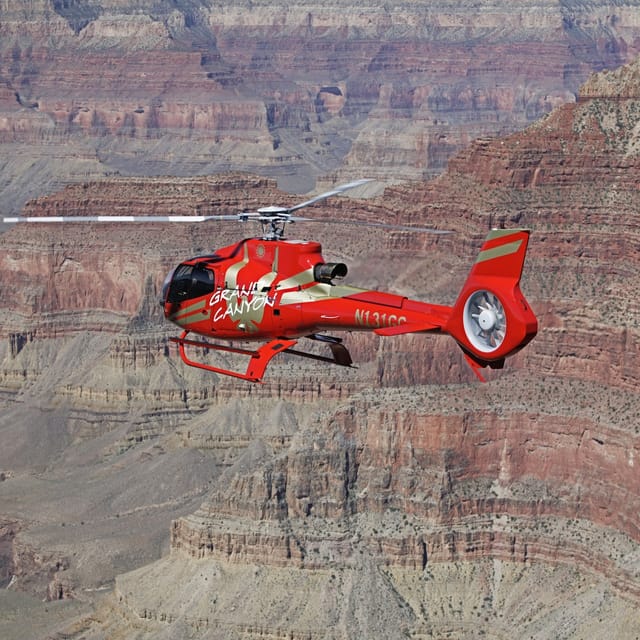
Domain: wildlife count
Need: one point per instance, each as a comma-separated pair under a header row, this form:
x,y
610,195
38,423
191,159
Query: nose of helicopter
x,y
165,287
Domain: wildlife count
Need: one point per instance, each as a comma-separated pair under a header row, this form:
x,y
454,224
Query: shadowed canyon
x,y
402,499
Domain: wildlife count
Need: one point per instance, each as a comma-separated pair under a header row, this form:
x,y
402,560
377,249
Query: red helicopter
x,y
276,291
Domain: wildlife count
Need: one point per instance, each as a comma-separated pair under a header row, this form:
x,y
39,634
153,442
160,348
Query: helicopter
x,y
275,291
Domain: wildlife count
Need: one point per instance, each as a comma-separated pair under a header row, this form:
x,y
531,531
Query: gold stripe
x,y
317,292
190,310
500,251
501,233
298,280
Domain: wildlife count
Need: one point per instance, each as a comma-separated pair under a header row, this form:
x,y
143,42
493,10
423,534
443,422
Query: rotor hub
x,y
487,319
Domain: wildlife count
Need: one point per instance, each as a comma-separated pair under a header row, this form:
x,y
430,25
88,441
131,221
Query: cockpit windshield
x,y
188,281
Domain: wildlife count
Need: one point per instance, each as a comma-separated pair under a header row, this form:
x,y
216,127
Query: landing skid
x,y
260,358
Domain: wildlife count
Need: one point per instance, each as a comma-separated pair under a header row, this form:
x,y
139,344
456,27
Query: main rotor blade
x,y
327,194
263,214
383,225
269,214
58,219
242,217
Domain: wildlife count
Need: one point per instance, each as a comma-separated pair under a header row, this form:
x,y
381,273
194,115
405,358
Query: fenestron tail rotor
x,y
273,219
485,322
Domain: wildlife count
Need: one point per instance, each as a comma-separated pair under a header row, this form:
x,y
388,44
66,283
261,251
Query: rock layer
x,y
397,499
297,91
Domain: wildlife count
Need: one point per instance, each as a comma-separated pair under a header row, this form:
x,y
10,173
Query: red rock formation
x,y
529,469
397,471
287,90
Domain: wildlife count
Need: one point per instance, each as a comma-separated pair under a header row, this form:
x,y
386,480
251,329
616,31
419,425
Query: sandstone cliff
x,y
402,498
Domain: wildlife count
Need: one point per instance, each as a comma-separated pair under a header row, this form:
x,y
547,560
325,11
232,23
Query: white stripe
x,y
186,218
59,219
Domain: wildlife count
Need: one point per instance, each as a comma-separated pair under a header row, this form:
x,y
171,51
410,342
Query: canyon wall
x,y
297,91
399,498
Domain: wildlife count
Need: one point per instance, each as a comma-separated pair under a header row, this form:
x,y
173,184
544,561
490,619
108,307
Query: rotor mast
x,y
274,219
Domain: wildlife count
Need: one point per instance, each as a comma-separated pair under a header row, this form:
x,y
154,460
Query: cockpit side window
x,y
190,282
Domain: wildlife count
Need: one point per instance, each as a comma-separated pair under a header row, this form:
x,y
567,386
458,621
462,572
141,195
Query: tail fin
x,y
491,319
